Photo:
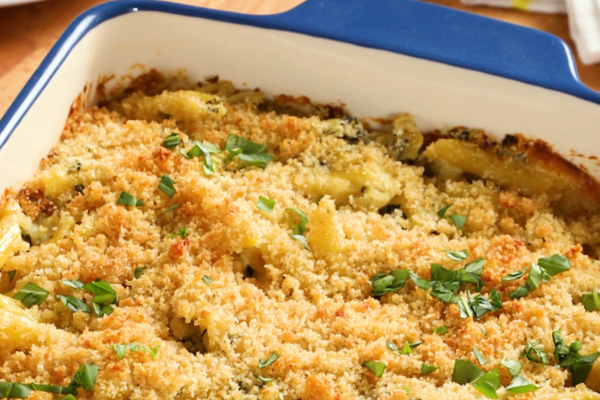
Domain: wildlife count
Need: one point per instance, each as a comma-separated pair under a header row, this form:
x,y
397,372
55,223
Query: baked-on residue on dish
x,y
208,244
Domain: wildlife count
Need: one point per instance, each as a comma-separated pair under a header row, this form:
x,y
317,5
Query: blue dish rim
x,y
406,27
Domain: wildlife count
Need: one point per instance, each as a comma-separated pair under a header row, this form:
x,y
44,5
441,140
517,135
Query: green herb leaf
x,y
102,309
68,397
513,366
14,390
168,210
11,275
120,349
440,330
393,282
419,282
301,227
427,369
442,211
74,283
265,204
31,294
520,384
129,200
465,372
135,346
591,301
488,383
166,185
474,268
182,233
74,304
519,292
264,379
482,305
465,310
534,354
513,276
263,364
206,149
104,293
482,329
139,271
207,280
459,220
460,255
480,358
301,239
85,377
581,367
247,151
172,141
392,346
536,276
555,264
376,367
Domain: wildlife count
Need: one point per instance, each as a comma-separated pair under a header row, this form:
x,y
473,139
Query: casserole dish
x,y
446,67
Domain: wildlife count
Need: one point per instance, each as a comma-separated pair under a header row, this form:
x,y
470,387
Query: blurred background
x,y
29,28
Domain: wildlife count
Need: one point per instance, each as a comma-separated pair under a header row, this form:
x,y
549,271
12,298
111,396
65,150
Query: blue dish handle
x,y
441,34
408,27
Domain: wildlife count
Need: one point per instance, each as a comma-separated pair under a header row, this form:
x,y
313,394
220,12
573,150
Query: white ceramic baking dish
x,y
448,68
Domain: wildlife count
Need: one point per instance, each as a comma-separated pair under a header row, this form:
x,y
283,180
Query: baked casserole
x,y
205,243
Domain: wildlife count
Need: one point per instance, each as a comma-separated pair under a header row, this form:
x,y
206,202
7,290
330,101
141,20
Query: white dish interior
x,y
370,82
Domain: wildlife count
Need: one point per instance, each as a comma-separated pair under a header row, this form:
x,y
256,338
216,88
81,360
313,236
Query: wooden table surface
x,y
27,32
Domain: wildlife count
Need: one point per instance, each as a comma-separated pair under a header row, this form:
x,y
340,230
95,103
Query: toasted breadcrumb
x,y
314,308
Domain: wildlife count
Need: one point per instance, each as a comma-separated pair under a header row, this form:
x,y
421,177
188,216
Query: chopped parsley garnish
x,y
568,356
104,295
206,149
392,346
460,255
300,229
31,294
166,186
520,384
480,358
139,271
84,377
440,330
534,354
383,283
459,220
442,211
543,271
426,369
74,304
467,372
172,141
513,366
129,200
272,358
513,276
121,349
480,305
11,275
207,280
519,292
74,283
171,208
247,151
376,367
265,204
555,264
182,233
488,383
591,301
